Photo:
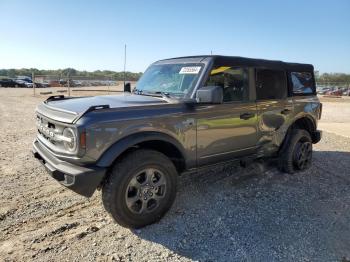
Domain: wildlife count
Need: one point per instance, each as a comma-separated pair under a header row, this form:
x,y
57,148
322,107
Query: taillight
x,y
320,111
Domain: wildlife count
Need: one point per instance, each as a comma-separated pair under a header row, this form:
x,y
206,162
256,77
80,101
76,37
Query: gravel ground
x,y
226,214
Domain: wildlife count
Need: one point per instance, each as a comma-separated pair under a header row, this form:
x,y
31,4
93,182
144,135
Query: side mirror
x,y
127,87
210,95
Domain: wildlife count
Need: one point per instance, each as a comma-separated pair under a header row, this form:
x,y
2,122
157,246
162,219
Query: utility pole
x,y
33,81
124,64
68,82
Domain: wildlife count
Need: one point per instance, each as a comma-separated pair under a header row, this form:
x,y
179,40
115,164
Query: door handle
x,y
246,116
188,122
285,111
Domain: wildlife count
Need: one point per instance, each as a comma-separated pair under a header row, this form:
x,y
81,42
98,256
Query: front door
x,y
229,130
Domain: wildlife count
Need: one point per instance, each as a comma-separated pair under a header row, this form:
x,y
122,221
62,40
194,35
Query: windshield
x,y
173,79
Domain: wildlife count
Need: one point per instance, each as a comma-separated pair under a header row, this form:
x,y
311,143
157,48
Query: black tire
x,y
296,153
119,191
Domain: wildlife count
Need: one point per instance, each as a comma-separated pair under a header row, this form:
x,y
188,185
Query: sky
x,y
90,35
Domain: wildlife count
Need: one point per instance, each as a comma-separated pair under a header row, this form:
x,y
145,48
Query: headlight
x,y
70,143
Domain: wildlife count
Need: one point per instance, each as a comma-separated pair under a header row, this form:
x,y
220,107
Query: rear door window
x,y
302,83
271,84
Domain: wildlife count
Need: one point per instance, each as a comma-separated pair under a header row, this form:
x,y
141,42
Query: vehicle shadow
x,y
257,213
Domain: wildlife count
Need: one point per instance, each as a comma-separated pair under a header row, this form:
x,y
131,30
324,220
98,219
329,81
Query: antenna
x,y
124,63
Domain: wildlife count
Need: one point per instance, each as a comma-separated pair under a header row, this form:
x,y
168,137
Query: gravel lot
x,y
336,116
226,214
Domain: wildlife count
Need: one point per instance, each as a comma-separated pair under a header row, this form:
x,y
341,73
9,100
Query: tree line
x,y
71,72
131,76
333,78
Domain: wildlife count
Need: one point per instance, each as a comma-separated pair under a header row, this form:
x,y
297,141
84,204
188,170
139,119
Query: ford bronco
x,y
184,114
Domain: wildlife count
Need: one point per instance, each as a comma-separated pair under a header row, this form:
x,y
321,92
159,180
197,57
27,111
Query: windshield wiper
x,y
142,93
137,91
165,95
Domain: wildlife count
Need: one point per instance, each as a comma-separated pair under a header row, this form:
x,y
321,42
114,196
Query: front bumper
x,y
82,180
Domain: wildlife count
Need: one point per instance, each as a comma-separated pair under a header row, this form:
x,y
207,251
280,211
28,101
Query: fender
x,y
298,117
120,146
307,116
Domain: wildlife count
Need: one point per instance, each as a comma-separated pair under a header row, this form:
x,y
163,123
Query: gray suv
x,y
184,114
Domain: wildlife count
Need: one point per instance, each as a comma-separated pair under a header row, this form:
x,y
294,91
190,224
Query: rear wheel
x,y
296,154
140,189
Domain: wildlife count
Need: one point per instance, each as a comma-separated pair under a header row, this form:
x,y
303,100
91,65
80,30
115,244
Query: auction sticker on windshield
x,y
190,70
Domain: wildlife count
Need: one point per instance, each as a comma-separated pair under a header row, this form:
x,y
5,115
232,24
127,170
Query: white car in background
x,y
29,84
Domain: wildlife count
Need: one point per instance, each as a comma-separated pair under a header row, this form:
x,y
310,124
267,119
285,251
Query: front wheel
x,y
296,154
140,189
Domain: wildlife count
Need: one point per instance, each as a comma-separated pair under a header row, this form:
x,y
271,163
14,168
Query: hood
x,y
71,109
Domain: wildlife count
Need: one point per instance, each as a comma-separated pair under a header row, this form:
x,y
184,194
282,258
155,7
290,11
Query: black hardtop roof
x,y
253,62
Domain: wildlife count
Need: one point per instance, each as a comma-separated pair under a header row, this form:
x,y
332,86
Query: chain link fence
x,y
76,85
82,85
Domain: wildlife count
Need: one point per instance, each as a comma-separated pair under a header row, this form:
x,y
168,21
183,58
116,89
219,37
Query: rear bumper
x,y
316,136
82,180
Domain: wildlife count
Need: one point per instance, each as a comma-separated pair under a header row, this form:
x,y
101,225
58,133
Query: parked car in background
x,y
21,83
24,78
346,92
72,83
8,82
335,92
42,84
29,84
25,81
323,90
77,83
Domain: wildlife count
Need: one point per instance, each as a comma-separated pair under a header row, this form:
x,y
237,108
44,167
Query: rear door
x,y
228,130
275,109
